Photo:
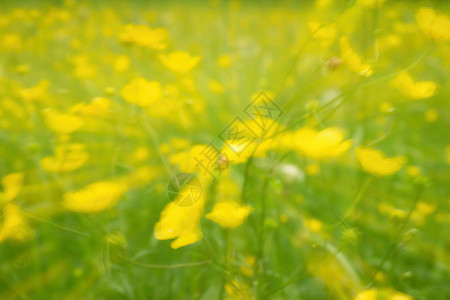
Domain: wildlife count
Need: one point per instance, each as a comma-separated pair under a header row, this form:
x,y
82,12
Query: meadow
x,y
225,149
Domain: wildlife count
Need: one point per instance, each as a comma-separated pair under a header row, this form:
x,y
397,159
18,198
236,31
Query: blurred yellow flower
x,y
22,69
229,214
435,26
83,67
370,3
238,290
96,197
62,123
179,61
324,33
248,268
144,36
414,90
413,171
13,42
312,169
181,223
313,224
199,158
375,162
68,157
224,61
431,115
142,92
385,107
353,60
326,143
37,92
375,294
98,107
12,184
121,63
14,224
215,86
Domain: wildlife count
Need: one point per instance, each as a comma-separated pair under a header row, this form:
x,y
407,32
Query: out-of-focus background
x,y
224,149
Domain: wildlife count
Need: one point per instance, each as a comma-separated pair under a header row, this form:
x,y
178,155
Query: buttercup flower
x,y
199,158
121,63
353,60
12,184
224,61
142,92
229,214
144,36
370,3
414,90
96,197
14,224
67,158
326,143
62,123
36,92
179,61
181,223
98,107
435,26
325,34
375,294
375,162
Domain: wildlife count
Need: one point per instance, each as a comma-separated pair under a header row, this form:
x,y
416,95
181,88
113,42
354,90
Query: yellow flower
x,y
326,34
374,161
35,93
312,169
13,42
227,189
224,61
375,294
425,208
248,268
199,158
96,197
353,60
313,224
84,69
121,63
62,123
215,86
181,223
414,90
67,158
431,115
237,152
179,61
435,26
251,138
326,143
229,214
14,225
370,3
99,107
144,36
12,184
22,69
413,171
142,92
238,290
370,294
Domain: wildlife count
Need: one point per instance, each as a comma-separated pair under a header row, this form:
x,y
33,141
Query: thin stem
x,y
394,244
